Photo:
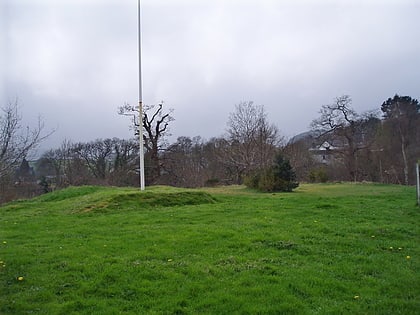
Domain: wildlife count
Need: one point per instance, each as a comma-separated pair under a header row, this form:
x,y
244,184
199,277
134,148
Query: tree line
x,y
379,146
342,145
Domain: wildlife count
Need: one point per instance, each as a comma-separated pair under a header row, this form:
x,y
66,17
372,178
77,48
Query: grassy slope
x,y
325,249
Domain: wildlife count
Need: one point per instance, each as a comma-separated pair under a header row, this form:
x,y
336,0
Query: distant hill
x,y
307,136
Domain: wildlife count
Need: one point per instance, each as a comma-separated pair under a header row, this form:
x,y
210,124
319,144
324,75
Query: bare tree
x,y
125,162
347,131
64,165
252,139
97,155
301,159
181,165
108,161
155,123
16,140
156,126
189,162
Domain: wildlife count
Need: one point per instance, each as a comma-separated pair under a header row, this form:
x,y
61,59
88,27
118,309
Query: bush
x,y
266,181
279,177
252,180
318,176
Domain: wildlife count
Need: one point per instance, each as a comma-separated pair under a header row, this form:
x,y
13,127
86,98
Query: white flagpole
x,y
141,151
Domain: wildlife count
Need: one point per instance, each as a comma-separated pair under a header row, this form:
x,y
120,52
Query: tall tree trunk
x,y
404,154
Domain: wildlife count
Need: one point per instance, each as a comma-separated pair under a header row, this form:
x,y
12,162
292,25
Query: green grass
x,y
324,249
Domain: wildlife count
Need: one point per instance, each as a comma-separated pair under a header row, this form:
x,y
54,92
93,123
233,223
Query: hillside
x,y
324,249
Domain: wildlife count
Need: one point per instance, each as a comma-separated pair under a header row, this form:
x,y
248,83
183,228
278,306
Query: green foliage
x,y
45,185
252,180
108,199
284,175
400,105
71,192
156,199
267,181
326,249
279,177
318,175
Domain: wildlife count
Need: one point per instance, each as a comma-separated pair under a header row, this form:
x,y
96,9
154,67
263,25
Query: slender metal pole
x,y
141,170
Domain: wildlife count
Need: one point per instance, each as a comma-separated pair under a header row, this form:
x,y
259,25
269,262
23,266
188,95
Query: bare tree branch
x,y
17,141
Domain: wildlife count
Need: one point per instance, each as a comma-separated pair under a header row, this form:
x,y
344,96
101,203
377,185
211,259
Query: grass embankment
x,y
325,249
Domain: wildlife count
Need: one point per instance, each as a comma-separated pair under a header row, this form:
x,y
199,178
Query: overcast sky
x,y
75,61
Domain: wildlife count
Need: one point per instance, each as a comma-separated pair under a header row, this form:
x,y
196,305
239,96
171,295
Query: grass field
x,y
324,249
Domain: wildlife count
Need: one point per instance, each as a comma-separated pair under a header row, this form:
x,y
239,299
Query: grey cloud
x,y
74,62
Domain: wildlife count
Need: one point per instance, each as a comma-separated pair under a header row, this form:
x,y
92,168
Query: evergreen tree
x,y
402,125
279,177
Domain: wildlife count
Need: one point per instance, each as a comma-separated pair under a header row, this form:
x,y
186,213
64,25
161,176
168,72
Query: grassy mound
x,y
69,193
108,199
152,199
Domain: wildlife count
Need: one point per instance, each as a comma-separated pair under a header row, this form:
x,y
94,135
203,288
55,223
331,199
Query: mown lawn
x,y
324,249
